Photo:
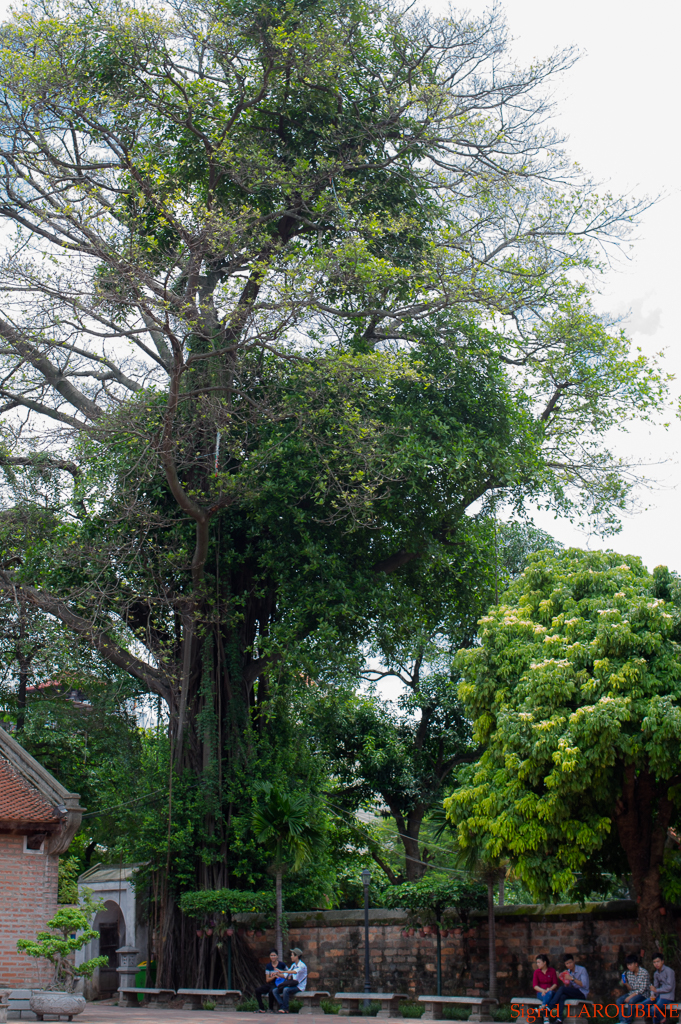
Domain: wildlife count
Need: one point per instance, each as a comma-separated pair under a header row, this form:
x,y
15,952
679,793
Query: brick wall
x,y
600,935
28,899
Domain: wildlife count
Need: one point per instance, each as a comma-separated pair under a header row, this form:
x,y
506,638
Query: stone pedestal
x,y
128,957
4,1000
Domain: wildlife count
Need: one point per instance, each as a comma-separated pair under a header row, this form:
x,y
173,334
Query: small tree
x,y
431,898
286,826
70,932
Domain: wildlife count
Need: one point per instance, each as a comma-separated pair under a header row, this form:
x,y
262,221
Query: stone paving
x,y
105,1012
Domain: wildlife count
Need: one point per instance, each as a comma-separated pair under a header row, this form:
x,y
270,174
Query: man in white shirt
x,y
297,975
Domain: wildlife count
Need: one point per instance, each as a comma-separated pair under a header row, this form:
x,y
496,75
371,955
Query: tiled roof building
x,y
38,819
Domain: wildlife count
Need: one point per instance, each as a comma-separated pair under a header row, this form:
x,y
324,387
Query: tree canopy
x,y
293,294
575,691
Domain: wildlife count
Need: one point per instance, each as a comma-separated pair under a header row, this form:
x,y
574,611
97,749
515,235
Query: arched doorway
x,y
110,924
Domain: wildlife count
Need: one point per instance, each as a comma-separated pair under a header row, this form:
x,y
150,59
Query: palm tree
x,y
289,828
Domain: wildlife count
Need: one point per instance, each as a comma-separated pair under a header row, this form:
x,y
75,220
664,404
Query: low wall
x,y
598,934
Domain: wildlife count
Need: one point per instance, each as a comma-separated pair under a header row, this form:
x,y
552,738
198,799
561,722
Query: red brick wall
x,y
333,947
28,899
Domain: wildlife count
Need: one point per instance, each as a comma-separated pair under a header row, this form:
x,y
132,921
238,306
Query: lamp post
x,y
366,878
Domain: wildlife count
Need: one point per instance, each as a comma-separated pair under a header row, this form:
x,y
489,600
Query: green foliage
x,y
225,901
670,876
59,945
69,869
330,1006
575,685
248,1005
299,268
288,826
412,1010
432,896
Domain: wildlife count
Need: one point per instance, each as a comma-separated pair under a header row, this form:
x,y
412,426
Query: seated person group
x,y
282,982
573,983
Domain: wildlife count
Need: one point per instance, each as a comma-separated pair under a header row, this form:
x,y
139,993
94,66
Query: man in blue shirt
x,y
575,984
272,979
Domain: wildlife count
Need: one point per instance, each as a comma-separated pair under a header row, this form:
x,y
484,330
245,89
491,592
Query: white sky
x,y
619,108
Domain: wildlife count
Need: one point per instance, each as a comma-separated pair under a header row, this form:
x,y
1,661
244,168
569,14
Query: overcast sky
x,y
619,107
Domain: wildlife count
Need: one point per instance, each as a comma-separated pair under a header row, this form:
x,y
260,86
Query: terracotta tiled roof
x,y
19,801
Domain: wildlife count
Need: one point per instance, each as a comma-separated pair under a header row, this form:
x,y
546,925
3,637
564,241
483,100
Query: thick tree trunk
x,y
642,816
279,940
409,831
492,934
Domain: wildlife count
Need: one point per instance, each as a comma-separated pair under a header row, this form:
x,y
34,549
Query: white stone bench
x,y
224,998
435,1006
529,1001
311,999
350,1002
156,998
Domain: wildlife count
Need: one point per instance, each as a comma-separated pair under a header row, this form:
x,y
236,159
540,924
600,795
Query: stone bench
x,y
529,1001
435,1006
224,998
350,1003
18,1007
157,998
311,999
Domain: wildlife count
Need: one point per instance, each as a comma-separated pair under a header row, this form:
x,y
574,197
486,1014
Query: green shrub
x,y
208,1005
295,1005
456,1012
329,1005
371,1010
248,1005
412,1009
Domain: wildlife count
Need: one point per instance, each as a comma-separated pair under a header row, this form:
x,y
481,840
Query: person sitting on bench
x,y
575,983
545,982
637,983
662,990
297,975
271,980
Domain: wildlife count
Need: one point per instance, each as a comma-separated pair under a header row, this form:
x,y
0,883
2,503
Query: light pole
x,y
366,878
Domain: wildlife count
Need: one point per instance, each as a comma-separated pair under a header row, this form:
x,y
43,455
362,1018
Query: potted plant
x,y
70,931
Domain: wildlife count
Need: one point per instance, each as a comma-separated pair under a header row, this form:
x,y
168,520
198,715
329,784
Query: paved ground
x,y
104,1012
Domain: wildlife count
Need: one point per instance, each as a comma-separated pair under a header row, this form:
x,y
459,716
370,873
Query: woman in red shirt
x,y
545,982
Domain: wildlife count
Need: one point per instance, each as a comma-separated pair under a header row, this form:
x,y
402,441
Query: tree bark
x,y
642,815
492,935
279,940
409,830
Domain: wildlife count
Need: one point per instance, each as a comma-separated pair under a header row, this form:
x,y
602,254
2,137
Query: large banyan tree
x,y
288,288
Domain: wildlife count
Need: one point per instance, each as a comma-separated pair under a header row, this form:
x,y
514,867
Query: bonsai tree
x,y
70,932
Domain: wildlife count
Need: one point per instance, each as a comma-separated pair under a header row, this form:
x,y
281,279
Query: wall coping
x,y
378,916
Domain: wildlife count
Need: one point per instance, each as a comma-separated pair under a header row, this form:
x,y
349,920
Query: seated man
x,y
575,983
545,982
662,990
297,975
637,983
271,979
